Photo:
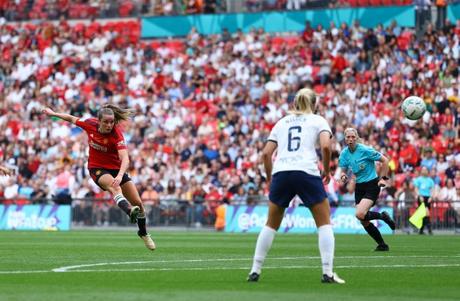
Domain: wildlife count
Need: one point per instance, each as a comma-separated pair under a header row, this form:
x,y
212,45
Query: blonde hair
x,y
354,131
304,101
117,112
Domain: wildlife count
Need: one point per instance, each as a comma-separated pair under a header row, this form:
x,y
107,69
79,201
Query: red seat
x,y
277,41
34,14
438,211
292,41
134,38
119,27
175,45
74,12
375,3
155,44
125,9
79,27
353,3
92,11
107,27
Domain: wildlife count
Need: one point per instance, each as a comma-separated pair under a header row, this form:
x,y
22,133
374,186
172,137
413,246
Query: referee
x,y
360,159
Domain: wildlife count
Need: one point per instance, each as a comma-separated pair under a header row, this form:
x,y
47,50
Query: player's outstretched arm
x,y
49,112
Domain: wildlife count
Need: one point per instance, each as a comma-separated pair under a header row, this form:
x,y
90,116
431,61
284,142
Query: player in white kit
x,y
295,172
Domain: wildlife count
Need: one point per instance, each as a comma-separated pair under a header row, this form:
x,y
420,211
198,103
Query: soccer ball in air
x,y
413,107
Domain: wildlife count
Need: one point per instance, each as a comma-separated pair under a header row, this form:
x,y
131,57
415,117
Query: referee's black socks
x,y
370,215
374,233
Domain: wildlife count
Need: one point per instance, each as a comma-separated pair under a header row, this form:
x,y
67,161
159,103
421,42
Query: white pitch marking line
x,y
25,272
74,268
241,268
269,267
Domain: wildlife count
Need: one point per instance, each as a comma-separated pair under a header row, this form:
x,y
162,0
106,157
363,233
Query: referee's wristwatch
x,y
385,178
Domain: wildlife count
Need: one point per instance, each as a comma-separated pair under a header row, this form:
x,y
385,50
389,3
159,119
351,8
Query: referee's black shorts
x,y
367,190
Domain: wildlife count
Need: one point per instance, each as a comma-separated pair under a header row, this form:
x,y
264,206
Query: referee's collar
x,y
356,147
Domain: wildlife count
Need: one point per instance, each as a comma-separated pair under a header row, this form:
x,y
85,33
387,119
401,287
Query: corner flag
x,y
417,218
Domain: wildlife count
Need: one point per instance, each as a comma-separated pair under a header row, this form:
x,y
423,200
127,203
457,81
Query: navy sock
x,y
141,225
123,203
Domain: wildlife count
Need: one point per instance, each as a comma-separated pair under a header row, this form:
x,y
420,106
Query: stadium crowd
x,y
84,9
204,106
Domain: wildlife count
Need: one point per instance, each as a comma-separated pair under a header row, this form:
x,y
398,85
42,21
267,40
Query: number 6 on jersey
x,y
293,139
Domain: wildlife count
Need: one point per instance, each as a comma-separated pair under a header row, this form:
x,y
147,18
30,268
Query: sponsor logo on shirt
x,y
98,147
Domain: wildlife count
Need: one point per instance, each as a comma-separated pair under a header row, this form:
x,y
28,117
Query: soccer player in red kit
x,y
108,161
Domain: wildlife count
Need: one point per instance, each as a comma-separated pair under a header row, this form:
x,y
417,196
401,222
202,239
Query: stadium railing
x,y
445,216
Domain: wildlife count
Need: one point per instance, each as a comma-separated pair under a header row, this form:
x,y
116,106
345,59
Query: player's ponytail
x,y
117,112
304,102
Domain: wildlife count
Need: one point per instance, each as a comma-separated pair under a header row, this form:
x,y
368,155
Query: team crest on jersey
x,y
361,166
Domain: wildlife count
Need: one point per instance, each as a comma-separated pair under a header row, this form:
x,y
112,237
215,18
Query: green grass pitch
x,y
115,265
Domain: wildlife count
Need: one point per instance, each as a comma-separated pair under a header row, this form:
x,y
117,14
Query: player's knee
x,y
365,223
113,190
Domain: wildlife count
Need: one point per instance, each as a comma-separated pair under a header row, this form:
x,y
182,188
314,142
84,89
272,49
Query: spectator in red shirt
x,y
408,155
339,62
307,34
108,161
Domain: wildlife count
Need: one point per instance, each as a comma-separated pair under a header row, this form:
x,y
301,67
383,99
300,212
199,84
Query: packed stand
x,y
205,105
257,5
20,10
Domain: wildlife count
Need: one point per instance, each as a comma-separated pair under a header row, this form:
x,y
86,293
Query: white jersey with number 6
x,y
296,136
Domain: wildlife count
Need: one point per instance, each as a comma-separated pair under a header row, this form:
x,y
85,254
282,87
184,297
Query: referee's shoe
x,y
387,219
382,248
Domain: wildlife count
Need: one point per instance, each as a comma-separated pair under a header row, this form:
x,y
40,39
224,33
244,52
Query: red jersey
x,y
103,148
